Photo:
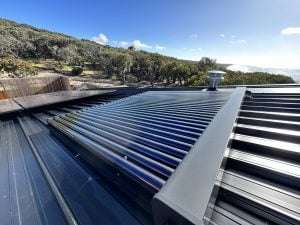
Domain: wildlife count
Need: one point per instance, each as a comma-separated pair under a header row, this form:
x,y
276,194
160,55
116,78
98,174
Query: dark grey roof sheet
x,y
26,197
42,182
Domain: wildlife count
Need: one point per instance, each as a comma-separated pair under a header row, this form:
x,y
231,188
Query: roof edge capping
x,y
183,200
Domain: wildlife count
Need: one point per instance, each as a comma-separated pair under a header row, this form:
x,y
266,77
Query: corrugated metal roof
x,y
261,181
43,181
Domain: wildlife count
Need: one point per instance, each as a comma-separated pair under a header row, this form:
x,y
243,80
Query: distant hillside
x,y
25,49
294,73
25,41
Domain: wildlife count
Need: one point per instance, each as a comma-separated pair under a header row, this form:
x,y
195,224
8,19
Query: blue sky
x,y
251,32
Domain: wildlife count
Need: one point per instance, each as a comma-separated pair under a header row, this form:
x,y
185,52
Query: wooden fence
x,y
18,87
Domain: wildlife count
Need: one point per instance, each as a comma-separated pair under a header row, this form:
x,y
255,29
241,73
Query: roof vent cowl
x,y
214,77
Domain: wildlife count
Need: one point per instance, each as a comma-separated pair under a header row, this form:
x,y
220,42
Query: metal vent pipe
x,y
215,77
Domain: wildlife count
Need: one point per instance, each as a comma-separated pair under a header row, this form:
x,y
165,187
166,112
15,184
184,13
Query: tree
x,y
206,64
170,72
183,73
199,79
157,64
121,65
131,48
142,68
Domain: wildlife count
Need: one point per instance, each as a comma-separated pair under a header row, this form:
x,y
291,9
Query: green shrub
x,y
17,67
76,71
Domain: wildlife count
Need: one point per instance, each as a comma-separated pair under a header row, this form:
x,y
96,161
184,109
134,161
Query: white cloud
x,y
291,31
238,42
137,44
114,43
193,36
101,39
242,68
265,60
233,40
241,41
123,44
192,49
159,47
